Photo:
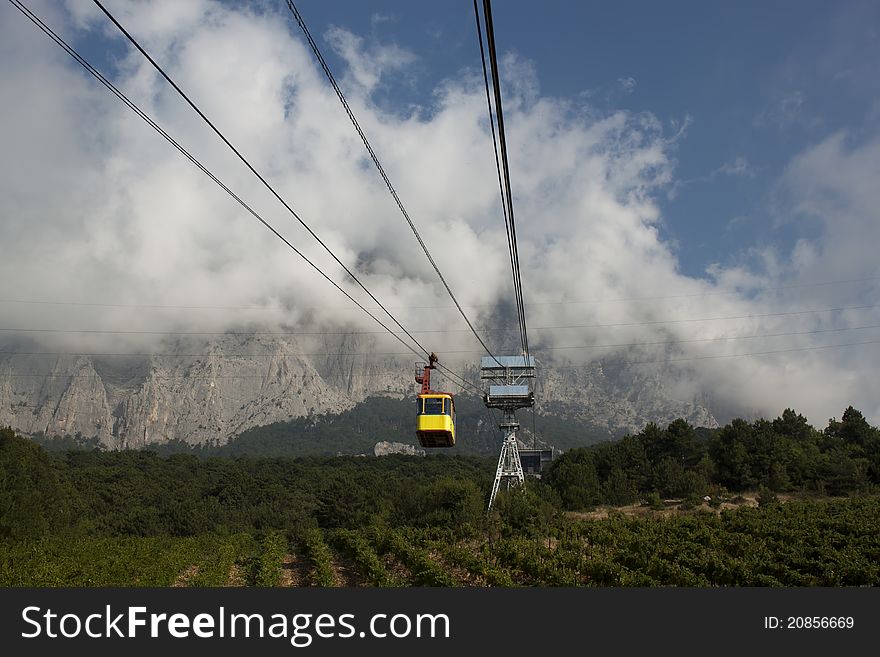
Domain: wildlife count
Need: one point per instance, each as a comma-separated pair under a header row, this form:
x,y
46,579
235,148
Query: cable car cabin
x,y
436,420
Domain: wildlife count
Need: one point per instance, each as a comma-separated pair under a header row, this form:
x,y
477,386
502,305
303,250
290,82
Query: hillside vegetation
x,y
84,518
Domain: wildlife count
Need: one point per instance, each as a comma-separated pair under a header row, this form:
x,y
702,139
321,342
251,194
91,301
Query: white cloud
x,y
785,111
627,84
739,167
378,18
99,209
368,65
834,184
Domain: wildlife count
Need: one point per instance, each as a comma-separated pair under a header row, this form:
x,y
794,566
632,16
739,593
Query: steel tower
x,y
508,391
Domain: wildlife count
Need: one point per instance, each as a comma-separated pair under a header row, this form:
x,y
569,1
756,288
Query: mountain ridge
x,y
208,393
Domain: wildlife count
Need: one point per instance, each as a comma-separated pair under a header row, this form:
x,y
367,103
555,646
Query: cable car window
x,y
419,407
447,407
433,406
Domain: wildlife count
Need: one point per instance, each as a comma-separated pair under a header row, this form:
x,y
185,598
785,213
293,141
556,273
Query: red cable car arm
x,y
425,377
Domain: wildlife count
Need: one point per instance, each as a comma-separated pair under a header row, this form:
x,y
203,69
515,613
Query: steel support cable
x,y
11,329
497,157
534,430
503,165
663,361
450,373
460,379
536,328
153,354
503,171
56,375
496,83
259,176
540,303
131,105
501,187
666,361
332,79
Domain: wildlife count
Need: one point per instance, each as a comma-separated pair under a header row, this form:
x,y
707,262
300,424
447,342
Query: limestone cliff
x,y
210,392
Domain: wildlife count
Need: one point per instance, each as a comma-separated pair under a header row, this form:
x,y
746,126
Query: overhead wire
x,y
256,173
497,156
486,5
506,193
549,367
509,223
658,322
723,338
272,190
372,153
534,429
569,302
720,356
505,168
701,295
464,383
134,107
713,339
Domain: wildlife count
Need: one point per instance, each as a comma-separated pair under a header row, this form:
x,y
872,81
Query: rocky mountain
x,y
208,392
618,398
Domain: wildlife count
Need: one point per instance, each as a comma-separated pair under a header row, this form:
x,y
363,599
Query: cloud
x,y
378,18
366,66
785,111
100,210
833,185
628,84
738,168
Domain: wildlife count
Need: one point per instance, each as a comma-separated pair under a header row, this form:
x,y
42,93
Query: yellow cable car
x,y
435,421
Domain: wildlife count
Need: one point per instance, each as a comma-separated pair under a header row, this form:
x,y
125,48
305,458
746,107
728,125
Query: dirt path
x,y
295,571
745,499
397,569
236,576
185,577
346,573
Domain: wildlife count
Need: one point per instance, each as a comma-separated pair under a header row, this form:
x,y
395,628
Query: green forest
x,y
763,503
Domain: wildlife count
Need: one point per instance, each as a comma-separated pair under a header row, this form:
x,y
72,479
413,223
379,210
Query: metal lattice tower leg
x,y
509,471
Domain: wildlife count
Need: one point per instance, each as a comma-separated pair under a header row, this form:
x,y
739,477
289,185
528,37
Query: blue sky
x,y
757,82
696,183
